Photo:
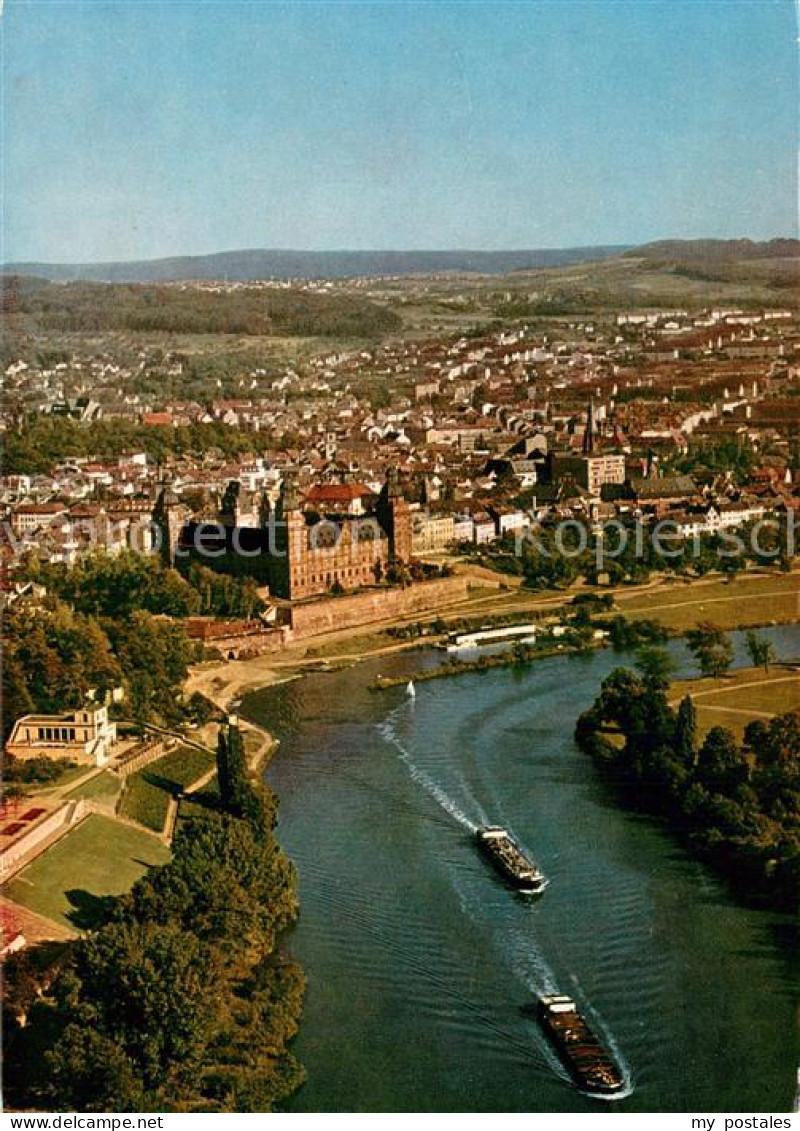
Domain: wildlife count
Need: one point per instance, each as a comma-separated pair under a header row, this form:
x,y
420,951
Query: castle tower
x,y
394,515
169,516
291,542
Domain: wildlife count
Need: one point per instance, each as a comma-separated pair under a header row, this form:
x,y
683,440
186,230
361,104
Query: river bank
x,y
749,601
485,663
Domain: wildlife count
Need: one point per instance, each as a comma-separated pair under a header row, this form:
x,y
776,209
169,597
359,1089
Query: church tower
x,y
229,508
589,434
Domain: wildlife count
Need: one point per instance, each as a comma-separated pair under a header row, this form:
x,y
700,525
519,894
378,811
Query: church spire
x,y
588,435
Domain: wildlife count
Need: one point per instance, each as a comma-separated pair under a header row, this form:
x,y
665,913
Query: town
x,y
661,412
188,514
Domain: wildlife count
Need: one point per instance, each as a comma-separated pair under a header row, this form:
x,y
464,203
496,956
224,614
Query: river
x,y
420,963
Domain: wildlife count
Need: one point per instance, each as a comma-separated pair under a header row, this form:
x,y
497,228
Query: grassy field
x,y
99,857
147,792
182,767
741,697
102,787
145,802
745,602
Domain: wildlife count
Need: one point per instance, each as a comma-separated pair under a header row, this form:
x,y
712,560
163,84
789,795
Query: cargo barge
x,y
509,860
588,1062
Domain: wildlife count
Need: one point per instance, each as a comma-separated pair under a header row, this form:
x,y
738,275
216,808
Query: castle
x,y
298,553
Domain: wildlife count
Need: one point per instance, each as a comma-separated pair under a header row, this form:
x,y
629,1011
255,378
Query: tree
x,y
656,666
775,749
199,709
17,699
522,651
711,648
721,765
54,657
686,732
87,1071
234,785
223,772
150,989
27,975
760,650
776,742
620,696
120,585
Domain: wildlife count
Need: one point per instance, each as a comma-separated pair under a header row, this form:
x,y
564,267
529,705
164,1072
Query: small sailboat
x,y
411,691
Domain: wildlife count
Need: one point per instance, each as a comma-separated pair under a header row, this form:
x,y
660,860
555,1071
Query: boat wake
x,y
388,732
520,949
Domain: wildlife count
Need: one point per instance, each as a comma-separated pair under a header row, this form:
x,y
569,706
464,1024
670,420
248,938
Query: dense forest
x,y
103,625
736,804
93,307
53,656
180,999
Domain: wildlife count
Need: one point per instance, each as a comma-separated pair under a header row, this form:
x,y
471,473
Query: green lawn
x,y
745,601
99,857
182,767
740,697
102,787
145,802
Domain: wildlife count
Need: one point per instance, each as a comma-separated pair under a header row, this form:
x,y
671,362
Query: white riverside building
x,y
85,735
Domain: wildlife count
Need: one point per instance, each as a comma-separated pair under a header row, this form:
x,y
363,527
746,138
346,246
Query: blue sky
x,y
140,128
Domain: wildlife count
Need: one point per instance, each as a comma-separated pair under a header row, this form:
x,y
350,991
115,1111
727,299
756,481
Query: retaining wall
x,y
380,604
40,835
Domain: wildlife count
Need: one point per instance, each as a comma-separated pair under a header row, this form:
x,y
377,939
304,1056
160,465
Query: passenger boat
x,y
588,1062
510,861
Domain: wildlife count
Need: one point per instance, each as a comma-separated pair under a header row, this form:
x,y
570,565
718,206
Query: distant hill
x,y
286,264
773,263
706,250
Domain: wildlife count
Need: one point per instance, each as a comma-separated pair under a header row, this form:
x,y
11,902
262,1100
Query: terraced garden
x,y
147,793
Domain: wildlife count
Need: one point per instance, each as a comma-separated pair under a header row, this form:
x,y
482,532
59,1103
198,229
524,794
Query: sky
x,y
143,128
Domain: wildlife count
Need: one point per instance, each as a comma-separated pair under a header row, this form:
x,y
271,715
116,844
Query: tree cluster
x,y
54,656
118,585
738,805
555,557
148,307
43,441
